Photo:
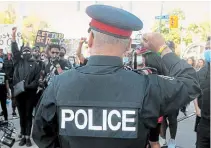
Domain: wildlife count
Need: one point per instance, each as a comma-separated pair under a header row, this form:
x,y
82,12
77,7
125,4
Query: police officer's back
x,y
103,105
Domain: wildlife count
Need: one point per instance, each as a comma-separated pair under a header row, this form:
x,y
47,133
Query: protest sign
x,y
6,37
71,45
44,38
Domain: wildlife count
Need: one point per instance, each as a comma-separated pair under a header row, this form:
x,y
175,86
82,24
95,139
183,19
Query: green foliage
x,y
31,24
201,29
8,16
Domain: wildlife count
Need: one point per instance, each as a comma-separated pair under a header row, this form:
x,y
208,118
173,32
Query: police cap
x,y
113,21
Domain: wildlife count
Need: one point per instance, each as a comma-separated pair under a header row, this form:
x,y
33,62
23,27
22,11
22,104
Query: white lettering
x,y
64,118
125,120
83,126
90,125
117,127
105,120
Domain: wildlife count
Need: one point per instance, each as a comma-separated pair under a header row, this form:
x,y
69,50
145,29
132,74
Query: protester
x,y
36,56
80,56
200,64
9,69
72,61
203,128
153,60
1,53
4,89
55,66
170,119
191,61
62,55
26,71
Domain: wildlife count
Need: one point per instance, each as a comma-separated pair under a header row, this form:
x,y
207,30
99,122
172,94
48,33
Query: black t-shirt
x,y
3,78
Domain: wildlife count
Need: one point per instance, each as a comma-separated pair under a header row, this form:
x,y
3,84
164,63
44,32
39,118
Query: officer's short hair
x,y
102,39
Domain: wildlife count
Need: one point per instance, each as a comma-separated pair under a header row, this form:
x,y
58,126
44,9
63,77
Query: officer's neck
x,y
106,52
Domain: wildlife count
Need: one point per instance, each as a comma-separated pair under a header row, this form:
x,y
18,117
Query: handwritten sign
x,y
44,38
71,45
6,37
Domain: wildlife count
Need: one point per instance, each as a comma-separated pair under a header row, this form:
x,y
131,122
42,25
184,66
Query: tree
x,y
171,34
8,16
31,25
202,30
179,34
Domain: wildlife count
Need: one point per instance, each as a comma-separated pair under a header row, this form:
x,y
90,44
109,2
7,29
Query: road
x,y
185,135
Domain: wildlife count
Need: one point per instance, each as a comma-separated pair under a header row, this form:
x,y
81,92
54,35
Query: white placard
x,y
6,37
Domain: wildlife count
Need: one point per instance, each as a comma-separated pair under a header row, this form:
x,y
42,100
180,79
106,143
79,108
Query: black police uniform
x,y
103,105
103,85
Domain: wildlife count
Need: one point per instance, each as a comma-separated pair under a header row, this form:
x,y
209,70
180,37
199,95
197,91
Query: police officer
x,y
103,105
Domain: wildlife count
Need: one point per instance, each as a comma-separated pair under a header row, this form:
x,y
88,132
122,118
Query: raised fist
x,y
83,39
153,41
14,30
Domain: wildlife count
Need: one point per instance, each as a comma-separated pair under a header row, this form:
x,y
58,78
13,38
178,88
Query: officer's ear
x,y
91,39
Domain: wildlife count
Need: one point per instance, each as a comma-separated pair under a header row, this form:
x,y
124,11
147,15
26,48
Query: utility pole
x,y
161,13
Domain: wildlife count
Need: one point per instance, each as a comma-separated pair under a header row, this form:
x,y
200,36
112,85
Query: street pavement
x,y
186,137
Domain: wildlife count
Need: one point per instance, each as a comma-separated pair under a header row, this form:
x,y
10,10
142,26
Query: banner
x,y
44,38
6,37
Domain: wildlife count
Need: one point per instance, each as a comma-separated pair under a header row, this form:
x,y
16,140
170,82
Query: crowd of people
x,y
26,73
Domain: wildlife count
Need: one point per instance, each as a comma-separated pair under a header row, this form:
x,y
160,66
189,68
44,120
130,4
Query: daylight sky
x,y
64,17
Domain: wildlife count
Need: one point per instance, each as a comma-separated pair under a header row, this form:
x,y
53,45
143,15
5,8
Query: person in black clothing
x,y
61,55
72,61
28,70
203,128
4,89
169,120
37,58
55,65
1,53
9,69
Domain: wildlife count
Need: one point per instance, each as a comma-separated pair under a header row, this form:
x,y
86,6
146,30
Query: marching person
x,y
103,105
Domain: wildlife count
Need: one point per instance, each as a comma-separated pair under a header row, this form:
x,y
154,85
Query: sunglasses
x,y
55,52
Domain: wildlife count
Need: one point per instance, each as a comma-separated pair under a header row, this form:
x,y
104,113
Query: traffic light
x,y
173,21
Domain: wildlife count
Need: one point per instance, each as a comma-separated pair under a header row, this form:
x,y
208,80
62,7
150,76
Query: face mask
x,y
71,61
125,60
1,65
207,55
26,56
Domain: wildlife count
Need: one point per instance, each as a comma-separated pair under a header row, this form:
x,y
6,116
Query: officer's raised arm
x,y
44,131
179,87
